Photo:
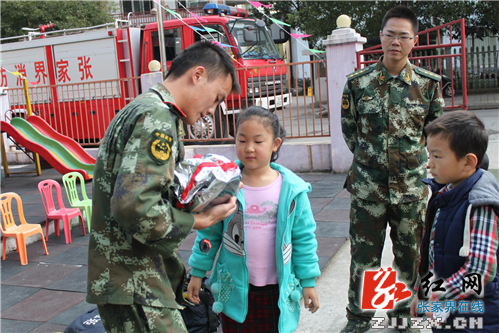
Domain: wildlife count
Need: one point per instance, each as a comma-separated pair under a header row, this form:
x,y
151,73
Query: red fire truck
x,y
84,75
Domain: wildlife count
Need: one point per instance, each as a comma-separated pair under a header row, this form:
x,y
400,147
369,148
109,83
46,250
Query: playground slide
x,y
43,127
52,151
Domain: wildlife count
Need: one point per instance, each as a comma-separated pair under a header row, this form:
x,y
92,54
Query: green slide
x,y
52,151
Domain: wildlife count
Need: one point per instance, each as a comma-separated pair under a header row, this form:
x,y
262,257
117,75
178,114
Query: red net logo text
x,y
381,290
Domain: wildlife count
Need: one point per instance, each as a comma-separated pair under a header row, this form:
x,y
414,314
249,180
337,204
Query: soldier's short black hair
x,y
213,58
464,131
403,13
269,120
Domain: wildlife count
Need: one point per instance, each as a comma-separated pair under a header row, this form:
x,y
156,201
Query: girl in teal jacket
x,y
250,302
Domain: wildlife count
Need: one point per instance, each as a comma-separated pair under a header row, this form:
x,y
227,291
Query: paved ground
x,y
49,293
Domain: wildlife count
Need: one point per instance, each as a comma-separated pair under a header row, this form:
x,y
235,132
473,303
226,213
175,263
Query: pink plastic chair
x,y
63,213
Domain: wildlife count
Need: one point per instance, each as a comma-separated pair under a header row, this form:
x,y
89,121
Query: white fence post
x,y
341,48
4,106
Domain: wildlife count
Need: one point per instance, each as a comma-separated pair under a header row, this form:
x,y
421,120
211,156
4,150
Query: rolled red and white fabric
x,y
205,181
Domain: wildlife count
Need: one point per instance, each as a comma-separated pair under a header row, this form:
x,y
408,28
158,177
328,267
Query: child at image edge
x,y
461,232
268,246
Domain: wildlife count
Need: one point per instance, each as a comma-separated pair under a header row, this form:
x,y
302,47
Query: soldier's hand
x,y
214,214
193,289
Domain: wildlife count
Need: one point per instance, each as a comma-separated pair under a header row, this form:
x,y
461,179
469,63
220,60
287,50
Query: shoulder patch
x,y
160,146
345,101
426,73
360,72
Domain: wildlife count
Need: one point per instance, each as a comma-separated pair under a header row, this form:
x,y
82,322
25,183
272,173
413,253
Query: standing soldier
x,y
384,109
135,274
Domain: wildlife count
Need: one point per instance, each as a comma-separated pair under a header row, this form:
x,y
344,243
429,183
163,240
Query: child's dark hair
x,y
269,120
485,163
403,13
212,57
465,132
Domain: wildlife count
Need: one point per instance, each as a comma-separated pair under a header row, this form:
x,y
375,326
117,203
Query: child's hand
x,y
310,299
414,306
193,289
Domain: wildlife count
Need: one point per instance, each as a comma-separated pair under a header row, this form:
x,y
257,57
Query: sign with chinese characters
x,y
30,63
78,62
85,62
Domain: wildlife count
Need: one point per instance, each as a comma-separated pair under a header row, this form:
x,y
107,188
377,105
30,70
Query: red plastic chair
x,y
63,213
19,232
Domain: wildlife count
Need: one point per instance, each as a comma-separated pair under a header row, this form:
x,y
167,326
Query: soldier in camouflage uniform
x,y
384,109
135,274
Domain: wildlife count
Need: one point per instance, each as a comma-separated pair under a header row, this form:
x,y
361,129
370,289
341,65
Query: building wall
x,y
145,5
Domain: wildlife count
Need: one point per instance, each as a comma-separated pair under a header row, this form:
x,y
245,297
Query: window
x,y
173,44
136,6
194,4
219,36
213,35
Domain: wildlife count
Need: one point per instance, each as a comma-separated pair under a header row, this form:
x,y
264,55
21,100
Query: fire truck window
x,y
173,44
219,36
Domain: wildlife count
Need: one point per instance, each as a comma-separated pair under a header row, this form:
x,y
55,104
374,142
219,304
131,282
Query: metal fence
x,y
433,52
482,69
298,96
83,111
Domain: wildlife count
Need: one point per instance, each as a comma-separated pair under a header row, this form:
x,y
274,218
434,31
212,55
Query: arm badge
x,y
160,146
345,102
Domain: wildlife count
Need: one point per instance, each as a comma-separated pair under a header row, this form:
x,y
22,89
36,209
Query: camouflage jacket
x,y
382,119
133,255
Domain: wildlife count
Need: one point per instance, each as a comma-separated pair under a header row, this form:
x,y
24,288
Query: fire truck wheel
x,y
447,90
207,129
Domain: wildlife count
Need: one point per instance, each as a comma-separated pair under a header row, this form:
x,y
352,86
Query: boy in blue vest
x,y
460,243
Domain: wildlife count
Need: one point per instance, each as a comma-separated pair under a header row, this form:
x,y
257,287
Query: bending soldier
x,y
135,274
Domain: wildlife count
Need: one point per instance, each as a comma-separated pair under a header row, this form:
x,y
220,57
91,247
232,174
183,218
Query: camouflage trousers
x,y
140,318
368,221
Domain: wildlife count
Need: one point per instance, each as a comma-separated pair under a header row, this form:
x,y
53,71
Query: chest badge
x,y
160,146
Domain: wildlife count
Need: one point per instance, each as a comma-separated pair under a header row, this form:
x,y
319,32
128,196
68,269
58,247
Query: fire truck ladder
x,y
128,63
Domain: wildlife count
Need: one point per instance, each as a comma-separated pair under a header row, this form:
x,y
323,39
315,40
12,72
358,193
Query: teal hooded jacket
x,y
296,257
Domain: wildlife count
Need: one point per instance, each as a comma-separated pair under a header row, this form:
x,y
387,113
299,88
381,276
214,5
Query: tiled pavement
x,y
49,293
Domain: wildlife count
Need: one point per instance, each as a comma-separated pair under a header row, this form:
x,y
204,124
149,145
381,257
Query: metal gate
x,y
441,50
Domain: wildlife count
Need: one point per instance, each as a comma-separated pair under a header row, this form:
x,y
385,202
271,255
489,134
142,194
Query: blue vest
x,y
448,241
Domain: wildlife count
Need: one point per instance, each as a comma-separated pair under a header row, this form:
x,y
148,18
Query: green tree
x,y
318,18
63,14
